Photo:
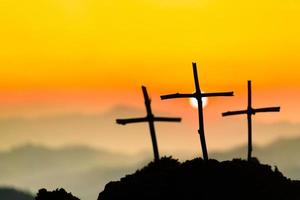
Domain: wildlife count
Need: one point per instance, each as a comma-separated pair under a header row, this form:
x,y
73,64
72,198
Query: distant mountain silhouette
x,y
13,194
79,169
197,179
59,194
282,153
87,129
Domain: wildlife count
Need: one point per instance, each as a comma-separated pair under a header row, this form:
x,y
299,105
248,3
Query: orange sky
x,y
87,56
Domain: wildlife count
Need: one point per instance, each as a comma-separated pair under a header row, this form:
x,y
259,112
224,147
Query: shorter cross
x,y
198,95
150,118
250,111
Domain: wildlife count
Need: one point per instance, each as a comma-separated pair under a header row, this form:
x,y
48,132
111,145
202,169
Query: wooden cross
x,y
150,118
250,111
198,96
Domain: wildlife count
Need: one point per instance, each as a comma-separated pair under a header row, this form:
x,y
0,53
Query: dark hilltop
x,y
59,194
196,179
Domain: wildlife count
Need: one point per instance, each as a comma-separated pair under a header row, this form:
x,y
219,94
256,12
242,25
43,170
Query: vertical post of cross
x,y
198,95
151,123
249,118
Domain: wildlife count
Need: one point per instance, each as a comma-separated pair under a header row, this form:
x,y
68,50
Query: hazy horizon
x,y
99,130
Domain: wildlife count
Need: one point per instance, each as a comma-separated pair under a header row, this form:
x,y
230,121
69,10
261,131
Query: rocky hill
x,y
196,179
58,194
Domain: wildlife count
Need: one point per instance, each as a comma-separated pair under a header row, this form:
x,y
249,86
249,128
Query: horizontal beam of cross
x,y
167,119
176,95
238,112
146,119
252,111
196,95
132,120
217,94
268,109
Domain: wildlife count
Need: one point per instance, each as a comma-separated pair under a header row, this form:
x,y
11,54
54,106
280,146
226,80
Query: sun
x,y
194,103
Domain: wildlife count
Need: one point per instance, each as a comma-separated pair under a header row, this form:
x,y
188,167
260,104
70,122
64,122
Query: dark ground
x,y
196,179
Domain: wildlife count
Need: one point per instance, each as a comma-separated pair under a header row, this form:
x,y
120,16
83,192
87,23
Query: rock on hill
x,y
196,179
59,194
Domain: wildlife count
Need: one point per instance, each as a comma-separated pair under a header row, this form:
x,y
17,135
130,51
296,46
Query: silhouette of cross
x,y
198,96
250,111
150,118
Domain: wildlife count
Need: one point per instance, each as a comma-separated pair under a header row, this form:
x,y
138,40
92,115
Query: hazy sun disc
x,y
194,103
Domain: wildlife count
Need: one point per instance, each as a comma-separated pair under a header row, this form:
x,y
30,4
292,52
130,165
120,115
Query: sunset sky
x,y
60,57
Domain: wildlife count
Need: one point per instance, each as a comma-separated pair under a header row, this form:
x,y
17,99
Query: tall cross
x,y
150,118
198,96
250,111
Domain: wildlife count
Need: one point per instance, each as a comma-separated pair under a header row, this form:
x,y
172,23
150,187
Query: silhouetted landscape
x,y
236,179
50,168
